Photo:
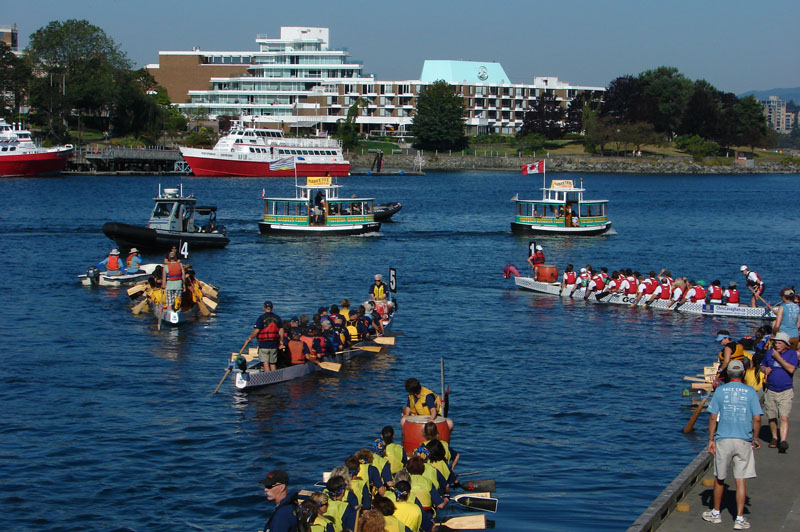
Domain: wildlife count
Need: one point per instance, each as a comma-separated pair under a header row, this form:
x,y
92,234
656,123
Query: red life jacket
x,y
113,263
129,259
734,297
665,290
650,285
632,286
599,282
569,277
699,294
538,258
173,271
715,292
296,351
613,284
270,332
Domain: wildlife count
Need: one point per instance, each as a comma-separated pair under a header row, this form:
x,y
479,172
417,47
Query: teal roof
x,y
463,71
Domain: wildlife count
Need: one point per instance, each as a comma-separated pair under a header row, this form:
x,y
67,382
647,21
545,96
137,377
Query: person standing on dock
x,y
732,436
536,259
276,488
787,317
269,330
779,364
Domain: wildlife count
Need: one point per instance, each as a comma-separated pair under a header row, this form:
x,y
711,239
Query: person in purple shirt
x,y
779,364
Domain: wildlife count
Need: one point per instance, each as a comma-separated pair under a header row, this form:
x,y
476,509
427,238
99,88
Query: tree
x,y
665,94
15,75
347,130
623,99
576,111
702,114
438,123
599,132
751,123
545,118
533,142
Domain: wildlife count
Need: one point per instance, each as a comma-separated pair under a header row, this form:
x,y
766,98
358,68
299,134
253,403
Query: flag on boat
x,y
263,194
535,168
515,197
285,163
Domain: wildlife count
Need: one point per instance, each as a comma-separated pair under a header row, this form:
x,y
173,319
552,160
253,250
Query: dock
x,y
773,498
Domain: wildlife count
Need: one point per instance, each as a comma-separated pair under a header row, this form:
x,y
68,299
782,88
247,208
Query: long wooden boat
x,y
94,277
252,379
703,309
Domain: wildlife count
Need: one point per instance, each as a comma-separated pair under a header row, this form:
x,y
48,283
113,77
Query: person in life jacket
x,y
679,287
393,452
422,402
340,328
375,318
408,513
387,508
378,291
173,277
371,468
112,264
381,461
359,486
269,330
318,345
333,341
661,292
569,278
715,293
342,514
583,279
754,283
695,293
298,350
597,283
310,518
731,295
322,523
536,260
730,351
422,488
133,262
276,488
431,433
646,286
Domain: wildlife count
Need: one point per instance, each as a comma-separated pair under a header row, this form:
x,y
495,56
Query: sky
x,y
735,45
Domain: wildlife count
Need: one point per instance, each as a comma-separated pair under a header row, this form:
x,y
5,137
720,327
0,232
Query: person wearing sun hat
x,y
754,283
112,264
779,365
133,262
276,488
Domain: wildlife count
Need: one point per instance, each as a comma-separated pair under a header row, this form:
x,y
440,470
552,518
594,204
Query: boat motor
x,y
93,274
241,363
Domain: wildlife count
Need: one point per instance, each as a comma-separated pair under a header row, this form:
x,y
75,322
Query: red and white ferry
x,y
247,151
20,157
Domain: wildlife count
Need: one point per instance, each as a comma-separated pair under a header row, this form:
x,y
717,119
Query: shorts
x,y
268,355
175,286
740,452
778,404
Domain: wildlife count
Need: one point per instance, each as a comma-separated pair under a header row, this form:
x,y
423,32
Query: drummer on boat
x,y
422,402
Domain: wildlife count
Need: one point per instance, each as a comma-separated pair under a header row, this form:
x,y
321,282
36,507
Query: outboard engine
x,y
241,364
93,274
220,229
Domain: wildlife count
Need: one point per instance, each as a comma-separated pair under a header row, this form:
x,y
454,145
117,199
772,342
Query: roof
x,y
463,71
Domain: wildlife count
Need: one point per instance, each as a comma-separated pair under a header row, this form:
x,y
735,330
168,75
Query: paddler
x,y
133,262
730,351
422,402
408,513
339,512
754,283
276,488
536,260
715,293
568,278
731,295
112,264
423,490
269,330
393,452
597,283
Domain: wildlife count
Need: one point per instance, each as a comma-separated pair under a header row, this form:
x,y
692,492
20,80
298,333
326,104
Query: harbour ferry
x,y
317,209
247,151
561,211
172,222
20,157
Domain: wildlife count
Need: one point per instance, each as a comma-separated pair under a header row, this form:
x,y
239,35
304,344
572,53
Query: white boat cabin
x,y
175,212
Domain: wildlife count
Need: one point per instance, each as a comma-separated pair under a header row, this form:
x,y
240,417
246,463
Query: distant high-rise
x,y
777,117
10,36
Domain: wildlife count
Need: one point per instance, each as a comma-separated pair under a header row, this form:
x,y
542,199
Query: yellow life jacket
x,y
379,291
431,474
421,488
320,524
409,514
442,467
335,513
394,454
418,406
379,462
345,312
752,375
738,354
363,472
354,336
357,487
393,524
447,455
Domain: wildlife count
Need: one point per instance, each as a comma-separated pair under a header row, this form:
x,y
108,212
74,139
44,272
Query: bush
x,y
696,146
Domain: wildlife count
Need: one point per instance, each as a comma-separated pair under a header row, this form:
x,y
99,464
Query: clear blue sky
x,y
736,45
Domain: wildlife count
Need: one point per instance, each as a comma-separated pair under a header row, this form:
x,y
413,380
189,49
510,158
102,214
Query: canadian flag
x,y
535,168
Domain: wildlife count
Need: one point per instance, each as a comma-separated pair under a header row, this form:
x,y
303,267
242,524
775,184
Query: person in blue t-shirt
x,y
732,435
276,488
779,364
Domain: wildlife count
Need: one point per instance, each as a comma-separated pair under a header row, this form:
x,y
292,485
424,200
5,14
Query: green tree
x,y
623,99
599,132
15,75
752,129
438,123
545,118
665,94
533,142
702,114
347,130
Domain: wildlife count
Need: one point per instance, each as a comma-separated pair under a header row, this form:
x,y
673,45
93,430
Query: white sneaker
x,y
712,517
742,524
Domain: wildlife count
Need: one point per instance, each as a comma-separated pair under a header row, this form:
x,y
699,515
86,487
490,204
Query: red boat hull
x,y
209,167
34,164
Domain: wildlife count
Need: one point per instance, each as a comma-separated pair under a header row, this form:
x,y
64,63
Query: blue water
x,y
573,408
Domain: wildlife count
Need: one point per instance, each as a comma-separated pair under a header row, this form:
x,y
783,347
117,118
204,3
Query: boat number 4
x,y
184,250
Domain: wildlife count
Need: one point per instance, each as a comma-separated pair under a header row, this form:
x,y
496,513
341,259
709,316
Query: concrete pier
x,y
773,498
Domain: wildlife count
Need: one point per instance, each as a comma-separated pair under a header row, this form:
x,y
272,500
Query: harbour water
x,y
574,408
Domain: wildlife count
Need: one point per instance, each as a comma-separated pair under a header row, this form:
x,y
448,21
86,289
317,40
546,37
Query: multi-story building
x,y
777,117
10,36
298,81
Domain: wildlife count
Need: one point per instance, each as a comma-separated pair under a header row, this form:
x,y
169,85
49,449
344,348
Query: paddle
x,y
370,348
210,303
464,522
225,376
135,289
761,298
487,504
384,340
160,315
208,289
690,425
140,306
446,407
201,304
601,295
330,366
476,485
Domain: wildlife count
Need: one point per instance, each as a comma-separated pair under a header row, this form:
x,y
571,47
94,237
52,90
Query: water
x,y
573,408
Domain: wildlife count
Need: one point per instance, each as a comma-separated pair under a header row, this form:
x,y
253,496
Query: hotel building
x,y
777,117
298,82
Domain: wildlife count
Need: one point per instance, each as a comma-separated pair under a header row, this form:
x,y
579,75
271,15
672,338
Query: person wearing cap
x,y
378,291
536,259
754,283
731,295
730,351
340,328
298,350
276,488
779,364
133,262
112,264
733,425
787,317
269,330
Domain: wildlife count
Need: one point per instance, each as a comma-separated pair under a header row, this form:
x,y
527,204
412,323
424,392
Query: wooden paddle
x,y
464,522
330,366
225,376
201,305
690,425
370,348
208,289
384,340
210,303
160,315
140,306
695,379
135,289
761,298
476,485
468,500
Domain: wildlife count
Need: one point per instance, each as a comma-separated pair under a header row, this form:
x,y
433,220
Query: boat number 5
x,y
393,280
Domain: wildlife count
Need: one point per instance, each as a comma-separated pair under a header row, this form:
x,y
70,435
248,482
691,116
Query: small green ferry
x,y
561,211
317,209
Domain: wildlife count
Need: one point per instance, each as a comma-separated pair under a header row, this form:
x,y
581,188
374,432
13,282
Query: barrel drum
x,y
412,431
547,274
382,307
